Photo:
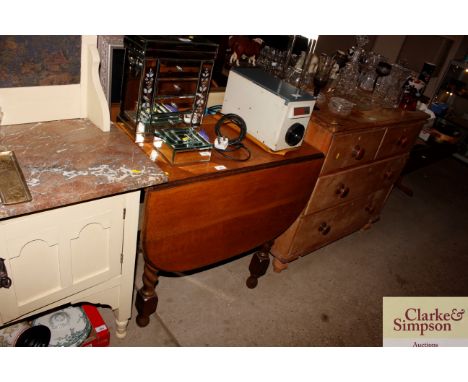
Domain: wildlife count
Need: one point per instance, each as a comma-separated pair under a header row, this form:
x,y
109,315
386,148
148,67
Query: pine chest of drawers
x,y
365,155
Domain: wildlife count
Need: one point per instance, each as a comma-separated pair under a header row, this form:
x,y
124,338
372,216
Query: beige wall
x,y
389,46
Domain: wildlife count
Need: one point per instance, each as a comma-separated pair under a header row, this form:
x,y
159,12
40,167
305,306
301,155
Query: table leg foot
x,y
251,282
258,265
147,299
278,266
405,189
121,329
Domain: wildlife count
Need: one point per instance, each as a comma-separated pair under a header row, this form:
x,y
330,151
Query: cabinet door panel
x,y
87,252
35,271
93,240
54,254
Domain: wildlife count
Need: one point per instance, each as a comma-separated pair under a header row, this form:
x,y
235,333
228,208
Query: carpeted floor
x,y
332,297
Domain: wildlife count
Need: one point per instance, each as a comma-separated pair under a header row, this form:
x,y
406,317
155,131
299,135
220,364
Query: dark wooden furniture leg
x,y
405,189
147,299
259,264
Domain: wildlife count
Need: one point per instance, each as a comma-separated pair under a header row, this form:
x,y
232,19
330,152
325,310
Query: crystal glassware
x,y
369,71
323,72
348,80
340,106
294,76
388,89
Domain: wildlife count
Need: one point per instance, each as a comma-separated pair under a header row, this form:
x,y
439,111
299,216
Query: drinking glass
x,y
323,72
294,75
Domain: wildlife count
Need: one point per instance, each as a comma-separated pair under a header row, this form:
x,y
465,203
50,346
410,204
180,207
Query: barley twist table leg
x,y
147,299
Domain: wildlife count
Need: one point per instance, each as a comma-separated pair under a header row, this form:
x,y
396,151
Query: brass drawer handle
x,y
177,87
342,190
5,281
324,228
358,152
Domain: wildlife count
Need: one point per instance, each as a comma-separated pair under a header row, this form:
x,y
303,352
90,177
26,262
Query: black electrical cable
x,y
233,144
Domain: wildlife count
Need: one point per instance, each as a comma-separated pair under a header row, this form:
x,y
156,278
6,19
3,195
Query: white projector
x,y
275,112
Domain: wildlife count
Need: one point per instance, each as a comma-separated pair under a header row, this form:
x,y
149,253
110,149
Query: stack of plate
x,y
10,334
69,327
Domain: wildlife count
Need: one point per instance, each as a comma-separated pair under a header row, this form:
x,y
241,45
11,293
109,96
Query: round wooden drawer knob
x,y
342,190
370,209
358,152
324,228
388,174
402,141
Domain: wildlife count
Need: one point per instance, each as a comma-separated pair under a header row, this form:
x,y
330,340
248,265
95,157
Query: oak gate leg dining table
x,y
213,211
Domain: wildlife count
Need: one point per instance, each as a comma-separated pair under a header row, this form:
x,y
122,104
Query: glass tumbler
x,y
323,72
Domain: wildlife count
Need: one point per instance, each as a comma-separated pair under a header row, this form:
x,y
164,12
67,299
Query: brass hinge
x,y
124,213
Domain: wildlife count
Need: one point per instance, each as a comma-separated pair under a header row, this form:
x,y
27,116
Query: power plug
x,y
221,143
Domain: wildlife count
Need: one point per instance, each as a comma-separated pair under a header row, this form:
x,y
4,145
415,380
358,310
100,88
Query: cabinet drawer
x,y
337,188
176,87
331,224
398,140
178,69
352,149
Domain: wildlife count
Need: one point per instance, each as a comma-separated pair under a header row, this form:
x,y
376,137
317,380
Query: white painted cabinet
x,y
80,253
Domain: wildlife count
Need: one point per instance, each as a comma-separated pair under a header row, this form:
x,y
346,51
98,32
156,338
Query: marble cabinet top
x,y
71,161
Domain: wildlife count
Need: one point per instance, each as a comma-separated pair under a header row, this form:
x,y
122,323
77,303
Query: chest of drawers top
x,y
359,120
363,137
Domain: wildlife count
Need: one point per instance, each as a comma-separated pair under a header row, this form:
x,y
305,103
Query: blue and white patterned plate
x,y
69,327
9,334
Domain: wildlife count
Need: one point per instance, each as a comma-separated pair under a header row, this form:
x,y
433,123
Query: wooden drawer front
x,y
179,87
398,140
352,149
376,203
337,188
329,225
392,170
